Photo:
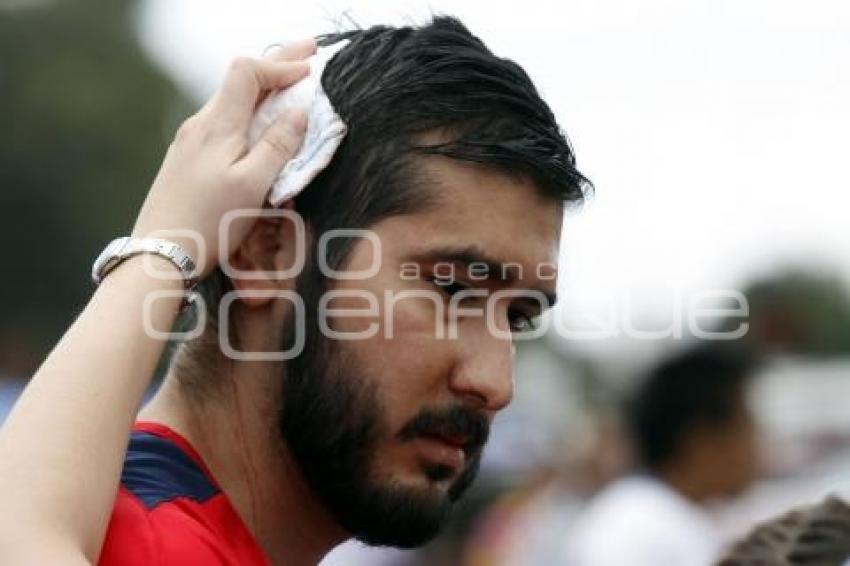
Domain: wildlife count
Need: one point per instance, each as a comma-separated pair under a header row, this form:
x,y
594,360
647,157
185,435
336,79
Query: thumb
x,y
274,149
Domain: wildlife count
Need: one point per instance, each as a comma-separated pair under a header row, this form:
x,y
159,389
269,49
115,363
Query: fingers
x,y
278,145
246,79
291,51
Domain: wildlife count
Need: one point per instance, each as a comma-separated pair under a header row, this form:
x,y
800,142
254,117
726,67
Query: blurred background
x,y
714,132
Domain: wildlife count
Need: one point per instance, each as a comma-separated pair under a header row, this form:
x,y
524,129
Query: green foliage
x,y
85,123
801,311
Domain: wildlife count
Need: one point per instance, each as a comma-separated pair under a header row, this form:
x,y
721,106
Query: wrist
x,y
157,270
148,274
135,292
189,242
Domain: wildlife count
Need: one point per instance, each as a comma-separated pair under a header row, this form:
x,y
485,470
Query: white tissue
x,y
325,129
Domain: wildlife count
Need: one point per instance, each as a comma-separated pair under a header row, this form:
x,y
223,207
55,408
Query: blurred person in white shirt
x,y
696,441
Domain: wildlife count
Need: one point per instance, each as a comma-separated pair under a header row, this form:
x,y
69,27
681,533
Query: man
x,y
376,427
696,440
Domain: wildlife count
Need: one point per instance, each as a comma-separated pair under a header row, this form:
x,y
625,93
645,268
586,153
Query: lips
x,y
437,451
451,436
458,442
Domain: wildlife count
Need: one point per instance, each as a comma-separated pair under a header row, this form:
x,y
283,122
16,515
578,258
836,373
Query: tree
x,y
86,118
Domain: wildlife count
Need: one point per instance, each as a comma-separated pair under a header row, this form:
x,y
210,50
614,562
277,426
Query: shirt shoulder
x,y
169,510
642,521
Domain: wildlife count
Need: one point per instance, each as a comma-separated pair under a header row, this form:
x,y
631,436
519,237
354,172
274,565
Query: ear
x,y
269,247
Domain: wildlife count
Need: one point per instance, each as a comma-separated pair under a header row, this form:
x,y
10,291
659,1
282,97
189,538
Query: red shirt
x,y
171,512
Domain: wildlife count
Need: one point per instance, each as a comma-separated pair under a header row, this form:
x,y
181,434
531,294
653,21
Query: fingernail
x,y
272,50
307,42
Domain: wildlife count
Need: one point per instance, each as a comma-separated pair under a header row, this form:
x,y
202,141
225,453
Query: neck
x,y
234,431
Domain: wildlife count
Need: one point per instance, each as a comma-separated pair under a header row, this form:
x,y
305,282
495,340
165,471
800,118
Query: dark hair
x,y
702,385
817,535
392,85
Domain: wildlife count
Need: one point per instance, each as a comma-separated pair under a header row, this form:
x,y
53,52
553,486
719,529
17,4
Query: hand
x,y
209,168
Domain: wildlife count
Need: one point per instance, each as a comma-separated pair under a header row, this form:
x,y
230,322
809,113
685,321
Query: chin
x,y
405,508
404,513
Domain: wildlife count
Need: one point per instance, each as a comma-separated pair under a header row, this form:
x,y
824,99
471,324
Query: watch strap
x,y
125,247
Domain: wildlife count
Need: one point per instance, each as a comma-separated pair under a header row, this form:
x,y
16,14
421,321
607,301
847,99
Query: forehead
x,y
504,216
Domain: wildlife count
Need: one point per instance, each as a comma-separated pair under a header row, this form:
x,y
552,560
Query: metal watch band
x,y
120,249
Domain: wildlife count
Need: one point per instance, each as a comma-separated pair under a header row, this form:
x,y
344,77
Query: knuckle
x,y
280,142
246,68
241,65
187,129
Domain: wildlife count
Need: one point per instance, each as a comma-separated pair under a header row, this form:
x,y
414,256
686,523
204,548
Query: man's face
x,y
387,417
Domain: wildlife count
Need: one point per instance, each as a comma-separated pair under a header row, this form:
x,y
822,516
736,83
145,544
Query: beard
x,y
332,421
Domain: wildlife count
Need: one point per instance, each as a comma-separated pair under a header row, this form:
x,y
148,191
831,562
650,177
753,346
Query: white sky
x,y
715,130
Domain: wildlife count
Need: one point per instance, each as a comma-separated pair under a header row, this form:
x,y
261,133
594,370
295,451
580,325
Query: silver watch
x,y
120,249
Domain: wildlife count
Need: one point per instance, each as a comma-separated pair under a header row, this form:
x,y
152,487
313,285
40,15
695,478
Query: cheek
x,y
396,334
391,327
411,342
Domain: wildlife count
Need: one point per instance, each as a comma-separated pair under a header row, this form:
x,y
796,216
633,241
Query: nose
x,y
484,375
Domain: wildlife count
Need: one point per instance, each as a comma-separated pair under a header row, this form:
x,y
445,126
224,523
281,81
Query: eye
x,y
449,286
521,322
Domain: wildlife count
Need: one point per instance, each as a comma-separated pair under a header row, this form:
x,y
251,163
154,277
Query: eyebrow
x,y
469,254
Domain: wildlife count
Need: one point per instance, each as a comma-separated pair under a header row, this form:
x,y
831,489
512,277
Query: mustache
x,y
452,422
